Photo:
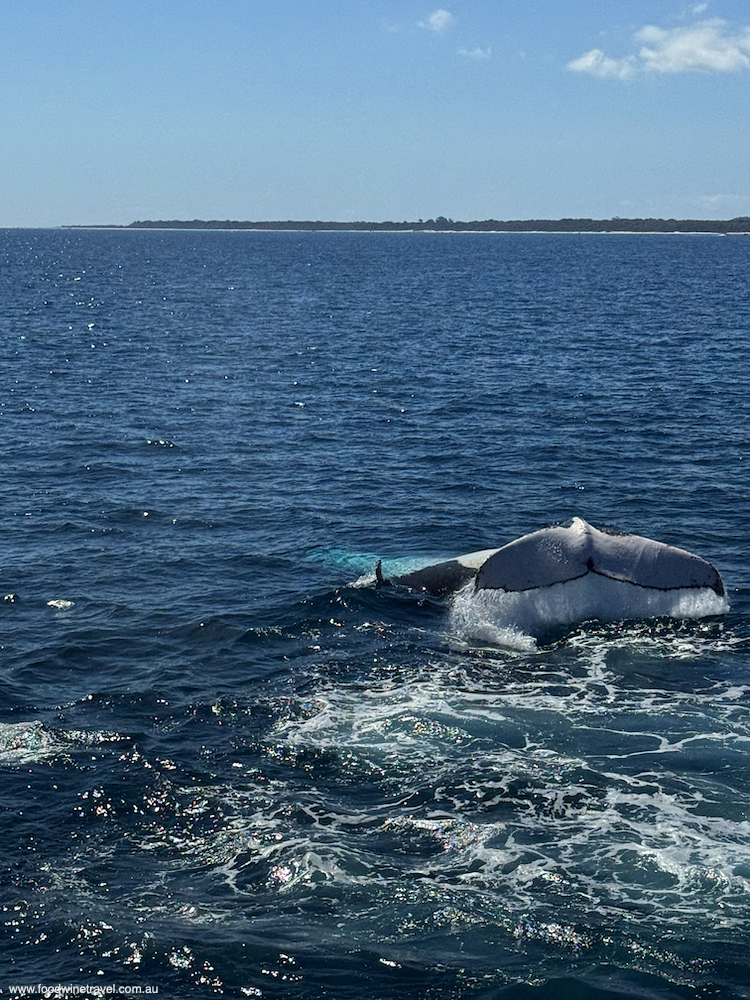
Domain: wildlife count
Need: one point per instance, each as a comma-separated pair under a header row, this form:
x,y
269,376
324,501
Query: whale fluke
x,y
575,572
569,551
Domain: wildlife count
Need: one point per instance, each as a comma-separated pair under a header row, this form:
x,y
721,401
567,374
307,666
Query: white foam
x,y
475,614
662,846
26,742
21,742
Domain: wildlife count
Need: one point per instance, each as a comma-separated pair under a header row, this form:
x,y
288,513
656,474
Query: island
x,y
740,225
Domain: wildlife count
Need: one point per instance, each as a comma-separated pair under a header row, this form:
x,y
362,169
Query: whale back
x,y
445,577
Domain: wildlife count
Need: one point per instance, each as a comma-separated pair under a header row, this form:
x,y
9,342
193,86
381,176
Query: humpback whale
x,y
576,572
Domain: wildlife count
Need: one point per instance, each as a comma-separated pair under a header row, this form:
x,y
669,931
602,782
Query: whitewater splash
x,y
518,618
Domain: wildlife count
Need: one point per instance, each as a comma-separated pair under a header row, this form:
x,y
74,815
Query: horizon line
x,y
444,224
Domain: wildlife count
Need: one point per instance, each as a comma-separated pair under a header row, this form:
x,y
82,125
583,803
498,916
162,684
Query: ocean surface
x,y
229,765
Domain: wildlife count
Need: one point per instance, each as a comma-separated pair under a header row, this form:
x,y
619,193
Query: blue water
x,y
226,769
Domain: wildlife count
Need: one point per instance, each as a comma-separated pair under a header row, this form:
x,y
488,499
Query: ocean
x,y
231,765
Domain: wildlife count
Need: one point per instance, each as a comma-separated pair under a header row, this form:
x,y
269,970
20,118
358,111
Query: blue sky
x,y
115,110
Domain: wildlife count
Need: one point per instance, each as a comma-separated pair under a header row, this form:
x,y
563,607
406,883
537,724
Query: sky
x,y
118,110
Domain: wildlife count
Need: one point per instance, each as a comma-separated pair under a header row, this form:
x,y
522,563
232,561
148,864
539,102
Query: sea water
x,y
226,766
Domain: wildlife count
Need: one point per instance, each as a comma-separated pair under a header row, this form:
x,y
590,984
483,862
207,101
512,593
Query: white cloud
x,y
597,64
475,53
707,45
438,21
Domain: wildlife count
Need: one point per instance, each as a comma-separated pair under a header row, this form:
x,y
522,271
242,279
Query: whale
x,y
574,572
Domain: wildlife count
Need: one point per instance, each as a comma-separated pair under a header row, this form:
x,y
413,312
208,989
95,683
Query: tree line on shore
x,y
441,224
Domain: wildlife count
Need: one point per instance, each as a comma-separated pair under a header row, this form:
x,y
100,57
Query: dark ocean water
x,y
226,770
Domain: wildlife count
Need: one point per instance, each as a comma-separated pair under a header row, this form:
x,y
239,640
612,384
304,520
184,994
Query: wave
x,y
28,742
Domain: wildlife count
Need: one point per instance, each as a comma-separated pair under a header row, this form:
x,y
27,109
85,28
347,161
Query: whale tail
x,y
572,550
574,572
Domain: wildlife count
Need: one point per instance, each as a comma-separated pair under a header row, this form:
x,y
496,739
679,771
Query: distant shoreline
x,y
737,226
